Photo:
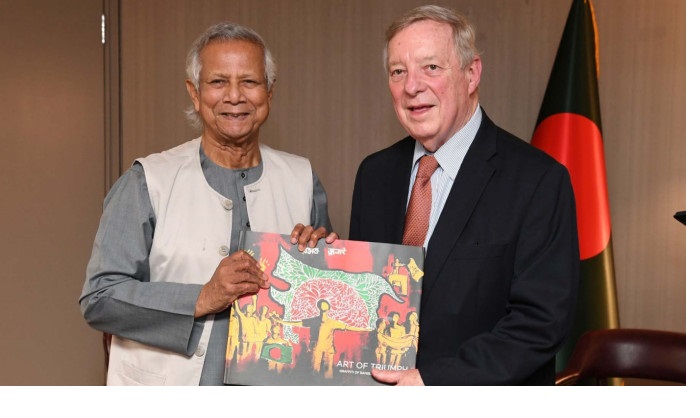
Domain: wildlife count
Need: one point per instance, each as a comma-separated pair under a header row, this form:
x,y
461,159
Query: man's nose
x,y
414,83
234,94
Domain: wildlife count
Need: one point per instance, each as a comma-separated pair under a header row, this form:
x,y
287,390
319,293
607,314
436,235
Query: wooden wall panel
x,y
332,104
51,188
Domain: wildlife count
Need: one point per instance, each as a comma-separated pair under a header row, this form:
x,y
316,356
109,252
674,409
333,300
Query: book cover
x,y
331,314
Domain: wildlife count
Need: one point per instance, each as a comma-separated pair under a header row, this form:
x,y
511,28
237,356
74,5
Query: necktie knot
x,y
427,166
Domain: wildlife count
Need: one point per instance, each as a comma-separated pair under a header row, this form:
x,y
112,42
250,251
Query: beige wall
x,y
51,188
332,104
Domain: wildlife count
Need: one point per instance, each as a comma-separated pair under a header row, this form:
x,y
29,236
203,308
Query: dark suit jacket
x,y
502,267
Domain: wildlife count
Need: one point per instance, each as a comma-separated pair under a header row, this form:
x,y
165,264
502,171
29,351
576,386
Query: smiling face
x,y
233,100
433,97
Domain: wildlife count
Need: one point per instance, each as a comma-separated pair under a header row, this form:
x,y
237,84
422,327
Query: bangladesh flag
x,y
280,353
569,129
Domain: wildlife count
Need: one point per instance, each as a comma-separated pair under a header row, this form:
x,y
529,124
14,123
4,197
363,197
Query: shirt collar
x,y
451,154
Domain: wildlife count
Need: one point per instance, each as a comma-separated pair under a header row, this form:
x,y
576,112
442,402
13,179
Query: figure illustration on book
x,y
394,341
397,279
412,329
262,328
234,329
380,351
247,319
277,350
397,274
321,342
398,344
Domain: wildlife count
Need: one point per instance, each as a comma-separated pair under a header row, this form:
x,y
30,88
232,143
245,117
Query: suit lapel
x,y
472,178
398,177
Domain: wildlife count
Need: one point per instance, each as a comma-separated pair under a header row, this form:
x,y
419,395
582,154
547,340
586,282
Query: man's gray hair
x,y
463,32
224,31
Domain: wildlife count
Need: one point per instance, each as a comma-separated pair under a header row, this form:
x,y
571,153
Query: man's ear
x,y
271,91
474,74
194,95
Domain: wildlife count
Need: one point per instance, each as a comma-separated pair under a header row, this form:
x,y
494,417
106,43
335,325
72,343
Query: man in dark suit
x,y
502,260
500,233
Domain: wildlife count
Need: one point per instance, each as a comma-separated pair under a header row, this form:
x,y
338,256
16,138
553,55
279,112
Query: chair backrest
x,y
630,353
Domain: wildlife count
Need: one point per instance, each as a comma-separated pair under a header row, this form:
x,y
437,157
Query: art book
x,y
332,313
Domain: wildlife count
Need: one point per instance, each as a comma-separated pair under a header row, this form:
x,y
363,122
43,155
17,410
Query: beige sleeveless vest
x,y
192,235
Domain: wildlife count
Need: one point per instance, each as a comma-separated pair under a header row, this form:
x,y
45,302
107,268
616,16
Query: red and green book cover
x,y
331,314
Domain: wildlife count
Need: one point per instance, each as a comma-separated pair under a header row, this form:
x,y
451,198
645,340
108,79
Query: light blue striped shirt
x,y
450,156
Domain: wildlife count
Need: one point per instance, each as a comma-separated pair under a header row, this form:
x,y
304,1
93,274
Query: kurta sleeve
x,y
118,297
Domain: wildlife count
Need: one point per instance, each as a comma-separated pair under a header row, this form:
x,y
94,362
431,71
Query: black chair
x,y
626,353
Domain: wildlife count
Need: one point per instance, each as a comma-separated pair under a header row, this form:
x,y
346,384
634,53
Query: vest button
x,y
228,204
223,251
200,351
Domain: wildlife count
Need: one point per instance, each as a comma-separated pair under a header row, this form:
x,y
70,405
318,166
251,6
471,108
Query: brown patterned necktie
x,y
418,213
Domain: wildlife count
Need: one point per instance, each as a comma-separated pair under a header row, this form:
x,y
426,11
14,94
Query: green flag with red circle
x,y
569,129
